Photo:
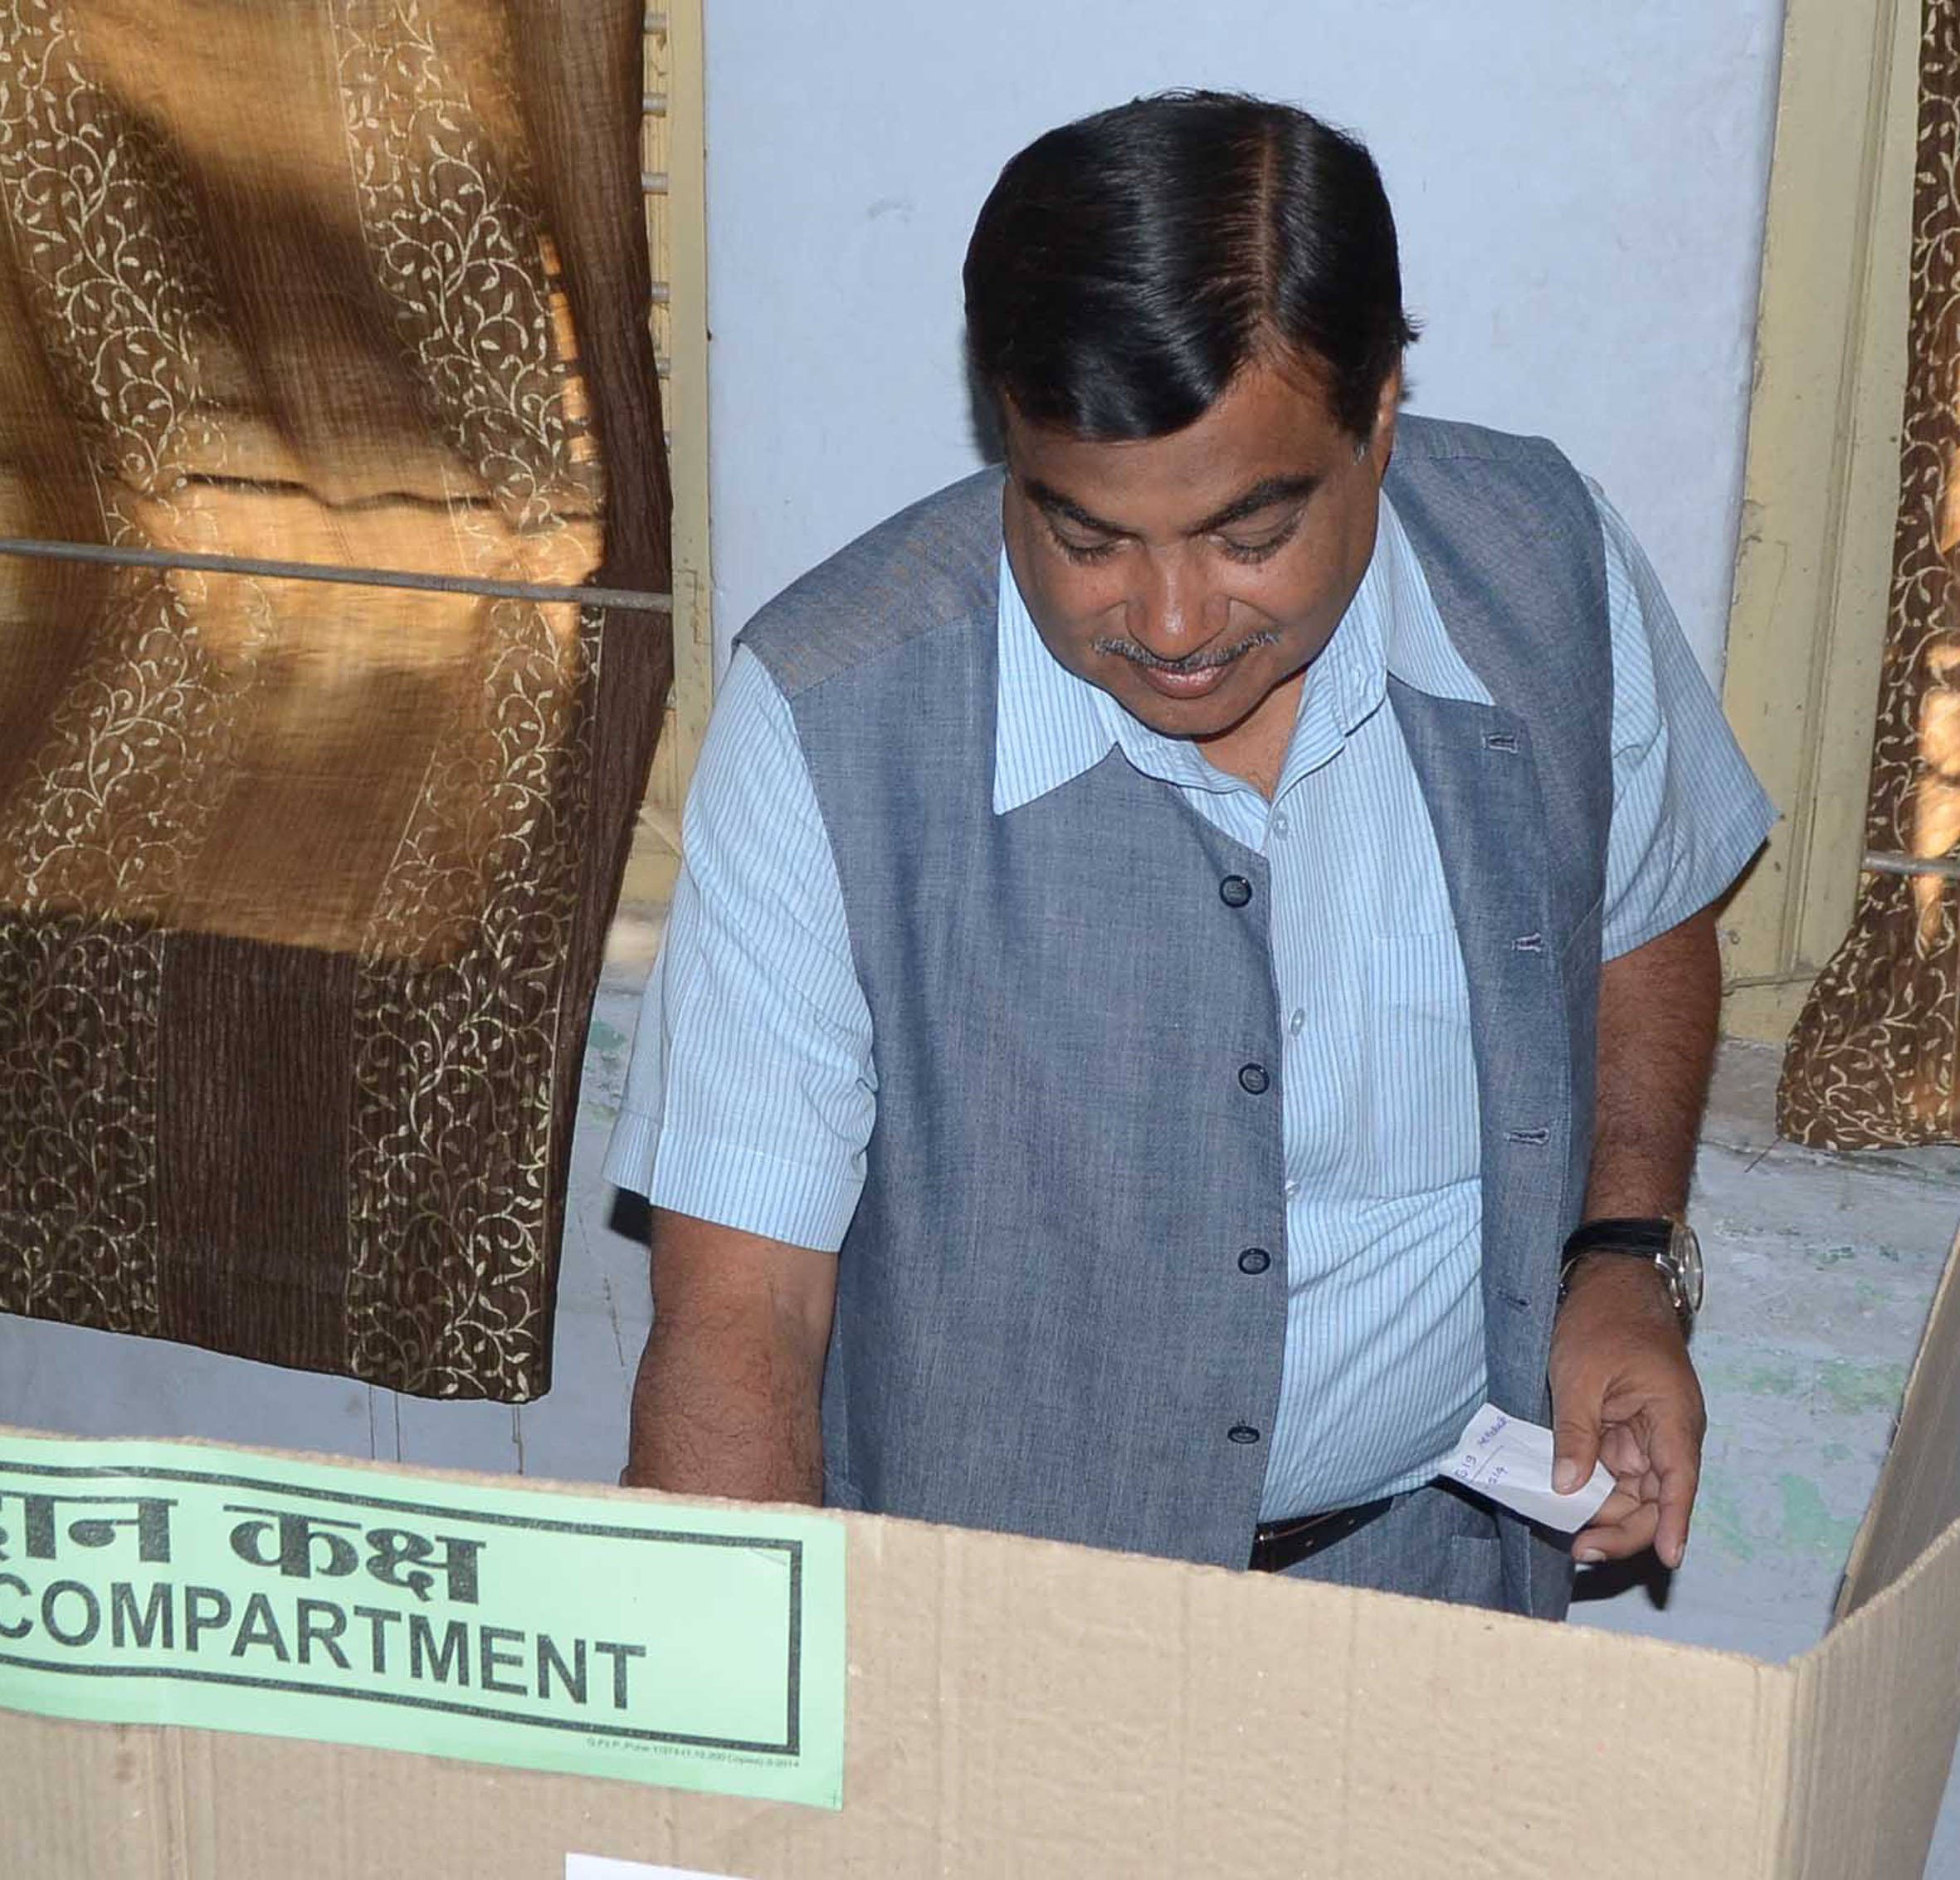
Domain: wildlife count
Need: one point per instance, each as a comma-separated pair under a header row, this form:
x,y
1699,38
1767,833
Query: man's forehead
x,y
1269,439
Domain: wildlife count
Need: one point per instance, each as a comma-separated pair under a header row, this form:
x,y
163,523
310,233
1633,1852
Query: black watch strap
x,y
1646,1238
1648,1235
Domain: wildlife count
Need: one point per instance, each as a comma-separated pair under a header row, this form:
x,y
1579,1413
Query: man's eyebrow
x,y
1050,501
1266,494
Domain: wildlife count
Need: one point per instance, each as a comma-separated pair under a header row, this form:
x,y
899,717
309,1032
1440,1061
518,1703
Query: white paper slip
x,y
1509,1461
597,1866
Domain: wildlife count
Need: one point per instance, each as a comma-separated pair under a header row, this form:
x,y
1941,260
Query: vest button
x,y
1242,1433
1253,1080
1255,1260
1235,890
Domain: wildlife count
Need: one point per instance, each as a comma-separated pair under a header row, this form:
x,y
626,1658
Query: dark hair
x,y
1128,266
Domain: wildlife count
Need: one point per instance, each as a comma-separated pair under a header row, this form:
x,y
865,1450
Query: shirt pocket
x,y
1422,1110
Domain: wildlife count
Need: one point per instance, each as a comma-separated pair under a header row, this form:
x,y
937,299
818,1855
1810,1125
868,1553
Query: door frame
x,y
1806,626
674,182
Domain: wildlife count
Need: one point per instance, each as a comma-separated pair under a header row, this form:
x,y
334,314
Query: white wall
x,y
1579,190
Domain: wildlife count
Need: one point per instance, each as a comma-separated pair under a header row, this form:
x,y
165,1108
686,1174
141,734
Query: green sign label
x,y
699,1648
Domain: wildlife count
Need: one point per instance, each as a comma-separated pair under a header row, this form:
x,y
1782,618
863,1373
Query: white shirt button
x,y
1289,1188
1280,825
1298,1023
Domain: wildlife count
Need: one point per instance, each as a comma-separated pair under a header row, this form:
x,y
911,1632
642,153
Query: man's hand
x,y
1623,1393
1622,1390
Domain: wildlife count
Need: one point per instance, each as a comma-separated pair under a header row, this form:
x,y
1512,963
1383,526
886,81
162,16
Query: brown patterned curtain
x,y
1872,1061
302,888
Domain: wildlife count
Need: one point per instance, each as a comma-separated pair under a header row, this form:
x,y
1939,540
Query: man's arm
x,y
750,1098
725,1401
1623,1390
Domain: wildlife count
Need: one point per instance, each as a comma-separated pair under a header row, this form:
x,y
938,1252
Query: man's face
x,y
1193,577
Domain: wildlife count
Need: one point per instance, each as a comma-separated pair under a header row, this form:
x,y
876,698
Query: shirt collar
x,y
1051,726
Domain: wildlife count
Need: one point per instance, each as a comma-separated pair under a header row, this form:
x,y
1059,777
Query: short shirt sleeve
x,y
1687,813
751,1092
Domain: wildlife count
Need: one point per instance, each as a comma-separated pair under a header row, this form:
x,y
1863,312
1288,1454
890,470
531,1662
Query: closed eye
x,y
1260,548
1085,552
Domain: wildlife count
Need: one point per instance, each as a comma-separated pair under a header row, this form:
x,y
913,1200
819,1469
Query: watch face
x,y
1684,1252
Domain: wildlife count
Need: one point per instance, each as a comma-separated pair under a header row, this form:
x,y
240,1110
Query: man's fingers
x,y
1675,1448
1625,1453
1616,1540
1612,1512
1575,1448
1616,1506
1659,1472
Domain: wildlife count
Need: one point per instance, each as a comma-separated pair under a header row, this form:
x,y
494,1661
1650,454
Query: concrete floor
x,y
1821,1271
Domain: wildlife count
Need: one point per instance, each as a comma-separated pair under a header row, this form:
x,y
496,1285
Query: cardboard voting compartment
x,y
942,1702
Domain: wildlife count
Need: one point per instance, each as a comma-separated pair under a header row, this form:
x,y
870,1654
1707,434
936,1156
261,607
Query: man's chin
x,y
1209,714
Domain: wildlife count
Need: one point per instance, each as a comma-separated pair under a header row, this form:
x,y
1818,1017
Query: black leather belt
x,y
1278,1545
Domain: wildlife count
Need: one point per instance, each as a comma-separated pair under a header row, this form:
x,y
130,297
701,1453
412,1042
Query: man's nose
x,y
1170,609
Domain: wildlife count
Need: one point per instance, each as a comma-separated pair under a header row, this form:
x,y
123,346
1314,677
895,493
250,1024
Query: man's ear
x,y
1381,440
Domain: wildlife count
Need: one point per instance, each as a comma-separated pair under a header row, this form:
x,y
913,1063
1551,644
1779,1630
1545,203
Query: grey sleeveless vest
x,y
1041,1323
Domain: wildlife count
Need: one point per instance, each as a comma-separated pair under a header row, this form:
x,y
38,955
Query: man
x,y
1122,1067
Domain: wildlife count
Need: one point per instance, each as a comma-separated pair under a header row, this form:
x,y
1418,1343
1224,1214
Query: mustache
x,y
1200,662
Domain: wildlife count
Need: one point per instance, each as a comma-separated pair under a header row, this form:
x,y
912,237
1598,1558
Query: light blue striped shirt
x,y
753,1086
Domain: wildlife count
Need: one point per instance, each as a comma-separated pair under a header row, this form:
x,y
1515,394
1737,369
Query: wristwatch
x,y
1667,1243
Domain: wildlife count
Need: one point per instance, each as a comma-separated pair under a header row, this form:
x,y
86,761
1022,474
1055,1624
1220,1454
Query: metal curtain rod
x,y
1879,863
633,598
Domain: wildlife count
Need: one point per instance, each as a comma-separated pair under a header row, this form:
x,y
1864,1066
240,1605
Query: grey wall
x,y
1580,191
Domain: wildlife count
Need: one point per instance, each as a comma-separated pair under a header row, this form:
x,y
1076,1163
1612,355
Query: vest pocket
x,y
1422,1112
